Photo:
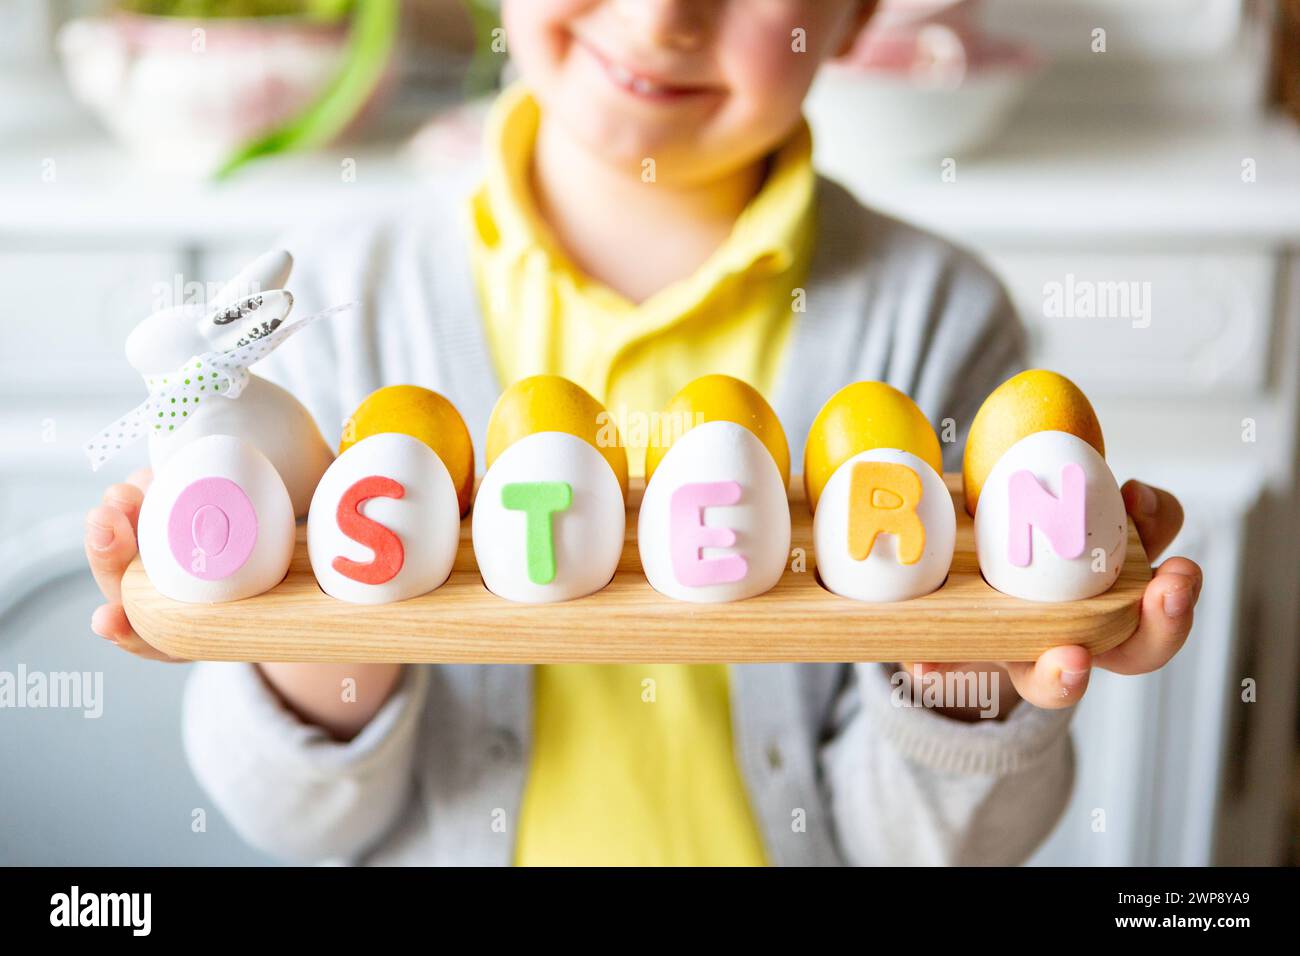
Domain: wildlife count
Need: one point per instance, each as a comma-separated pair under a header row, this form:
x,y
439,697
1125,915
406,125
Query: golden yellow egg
x,y
858,418
1033,401
719,398
552,403
423,414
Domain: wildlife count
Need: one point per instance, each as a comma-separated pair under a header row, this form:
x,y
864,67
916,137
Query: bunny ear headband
x,y
221,372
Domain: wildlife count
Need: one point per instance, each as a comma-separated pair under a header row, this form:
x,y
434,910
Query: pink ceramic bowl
x,y
183,94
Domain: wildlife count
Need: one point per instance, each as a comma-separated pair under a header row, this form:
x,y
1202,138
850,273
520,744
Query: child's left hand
x,y
1060,676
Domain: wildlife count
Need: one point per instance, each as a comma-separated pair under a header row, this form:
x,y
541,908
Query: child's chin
x,y
628,141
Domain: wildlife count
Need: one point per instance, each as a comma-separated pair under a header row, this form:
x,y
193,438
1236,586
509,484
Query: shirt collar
x,y
769,234
513,226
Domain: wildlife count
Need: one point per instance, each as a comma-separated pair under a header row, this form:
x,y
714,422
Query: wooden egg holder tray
x,y
628,621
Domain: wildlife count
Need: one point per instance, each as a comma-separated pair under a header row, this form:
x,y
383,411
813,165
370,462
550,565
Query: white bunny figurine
x,y
263,414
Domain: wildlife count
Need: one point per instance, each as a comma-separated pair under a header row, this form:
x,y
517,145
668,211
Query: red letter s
x,y
389,554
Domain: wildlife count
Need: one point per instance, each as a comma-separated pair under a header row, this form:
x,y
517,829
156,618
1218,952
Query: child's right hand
x,y
110,547
310,690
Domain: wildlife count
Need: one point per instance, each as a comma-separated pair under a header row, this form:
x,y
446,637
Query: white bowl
x,y
866,116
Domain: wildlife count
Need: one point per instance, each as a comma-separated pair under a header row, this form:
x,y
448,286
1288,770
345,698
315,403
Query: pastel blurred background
x,y
150,147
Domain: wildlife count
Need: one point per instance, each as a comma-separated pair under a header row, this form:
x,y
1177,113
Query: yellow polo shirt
x,y
633,764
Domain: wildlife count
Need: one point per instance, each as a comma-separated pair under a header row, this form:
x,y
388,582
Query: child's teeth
x,y
629,80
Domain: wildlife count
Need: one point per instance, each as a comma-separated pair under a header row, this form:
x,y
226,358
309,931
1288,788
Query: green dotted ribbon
x,y
174,397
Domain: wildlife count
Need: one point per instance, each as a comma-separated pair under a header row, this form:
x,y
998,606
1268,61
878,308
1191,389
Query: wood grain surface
x,y
798,620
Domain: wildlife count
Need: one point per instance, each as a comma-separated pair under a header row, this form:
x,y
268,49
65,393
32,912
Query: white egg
x,y
216,524
548,520
384,523
1035,544
269,418
714,523
922,515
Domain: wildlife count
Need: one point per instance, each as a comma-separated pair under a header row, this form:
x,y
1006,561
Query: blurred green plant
x,y
374,25
485,67
370,42
207,9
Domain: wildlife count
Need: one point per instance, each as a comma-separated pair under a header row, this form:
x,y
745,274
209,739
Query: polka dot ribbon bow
x,y
173,397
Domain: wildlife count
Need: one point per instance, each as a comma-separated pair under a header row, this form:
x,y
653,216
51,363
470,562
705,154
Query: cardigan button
x,y
774,759
503,746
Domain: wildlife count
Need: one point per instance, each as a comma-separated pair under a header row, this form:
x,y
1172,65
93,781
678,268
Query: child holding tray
x,y
646,211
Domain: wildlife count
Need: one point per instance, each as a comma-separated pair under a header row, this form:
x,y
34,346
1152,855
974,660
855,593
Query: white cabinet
x,y
66,312
64,316
1144,323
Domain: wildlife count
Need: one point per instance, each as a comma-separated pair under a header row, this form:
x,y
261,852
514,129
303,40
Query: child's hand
x,y
310,690
110,547
1060,676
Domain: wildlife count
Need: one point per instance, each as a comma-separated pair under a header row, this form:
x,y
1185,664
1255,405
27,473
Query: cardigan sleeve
x,y
286,786
910,786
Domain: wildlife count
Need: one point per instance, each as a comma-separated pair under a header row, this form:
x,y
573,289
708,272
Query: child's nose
x,y
678,24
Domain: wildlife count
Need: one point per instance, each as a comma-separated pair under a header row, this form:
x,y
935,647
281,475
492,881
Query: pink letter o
x,y
212,528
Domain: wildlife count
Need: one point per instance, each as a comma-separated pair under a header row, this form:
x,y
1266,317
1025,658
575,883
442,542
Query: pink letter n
x,y
1061,519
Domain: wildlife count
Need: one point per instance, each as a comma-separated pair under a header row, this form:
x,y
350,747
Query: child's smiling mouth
x,y
643,86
